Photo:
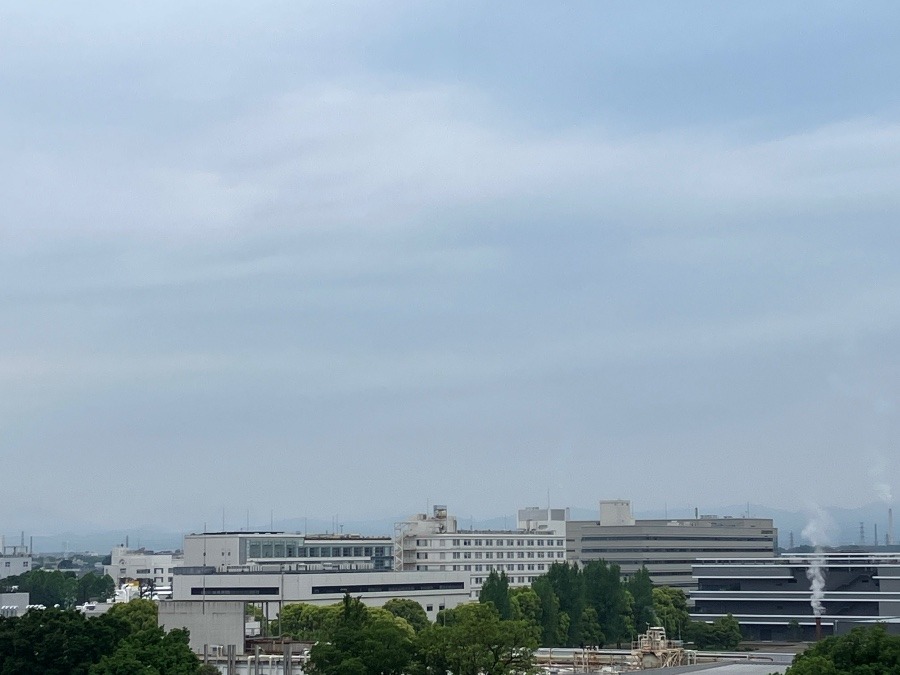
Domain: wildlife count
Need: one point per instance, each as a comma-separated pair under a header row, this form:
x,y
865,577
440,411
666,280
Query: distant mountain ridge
x,y
844,527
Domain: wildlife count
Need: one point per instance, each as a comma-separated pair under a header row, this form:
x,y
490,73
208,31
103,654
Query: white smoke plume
x,y
878,472
816,531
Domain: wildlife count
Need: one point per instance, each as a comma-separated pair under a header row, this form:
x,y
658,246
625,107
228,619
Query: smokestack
x,y
696,513
890,532
876,535
818,628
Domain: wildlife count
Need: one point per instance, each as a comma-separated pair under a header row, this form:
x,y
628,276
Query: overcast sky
x,y
340,258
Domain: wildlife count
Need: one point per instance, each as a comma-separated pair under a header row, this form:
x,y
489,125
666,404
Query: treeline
x,y
65,589
867,650
353,639
126,639
592,606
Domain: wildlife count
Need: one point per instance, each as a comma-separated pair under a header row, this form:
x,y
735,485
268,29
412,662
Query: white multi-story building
x,y
436,544
286,551
14,560
139,565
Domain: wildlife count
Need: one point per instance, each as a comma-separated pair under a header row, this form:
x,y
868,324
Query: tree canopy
x,y
863,651
125,640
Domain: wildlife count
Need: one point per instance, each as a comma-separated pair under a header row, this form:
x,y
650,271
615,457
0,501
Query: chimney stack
x,y
818,628
890,532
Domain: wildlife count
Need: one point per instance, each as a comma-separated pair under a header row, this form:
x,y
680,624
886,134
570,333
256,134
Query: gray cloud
x,y
284,263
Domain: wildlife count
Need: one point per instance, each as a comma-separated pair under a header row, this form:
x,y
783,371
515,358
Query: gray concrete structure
x,y
13,604
766,595
213,625
14,560
287,550
667,547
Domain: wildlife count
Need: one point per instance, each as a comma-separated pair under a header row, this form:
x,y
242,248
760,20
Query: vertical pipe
x,y
818,628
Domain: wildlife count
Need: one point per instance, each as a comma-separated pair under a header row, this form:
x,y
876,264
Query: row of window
x,y
489,555
540,567
674,550
512,580
490,542
273,549
24,563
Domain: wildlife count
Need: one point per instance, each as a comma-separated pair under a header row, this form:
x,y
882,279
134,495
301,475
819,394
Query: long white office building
x,y
225,570
436,544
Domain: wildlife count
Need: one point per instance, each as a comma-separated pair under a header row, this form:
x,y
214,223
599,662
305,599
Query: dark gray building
x,y
771,597
667,547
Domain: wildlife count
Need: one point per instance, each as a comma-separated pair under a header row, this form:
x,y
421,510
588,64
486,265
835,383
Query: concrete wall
x,y
13,604
210,623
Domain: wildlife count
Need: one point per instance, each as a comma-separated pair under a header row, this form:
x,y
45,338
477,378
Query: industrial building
x,y
225,570
435,543
244,551
667,547
146,567
771,596
14,560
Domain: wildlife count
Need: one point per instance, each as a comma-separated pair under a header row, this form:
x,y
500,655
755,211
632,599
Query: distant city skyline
x,y
340,259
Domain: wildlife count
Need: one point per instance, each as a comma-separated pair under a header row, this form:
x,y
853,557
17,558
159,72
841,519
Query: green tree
x,y
591,632
722,634
549,611
310,623
641,588
605,592
364,642
150,651
93,586
863,651
568,584
410,610
495,590
48,588
526,605
670,607
139,614
476,641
